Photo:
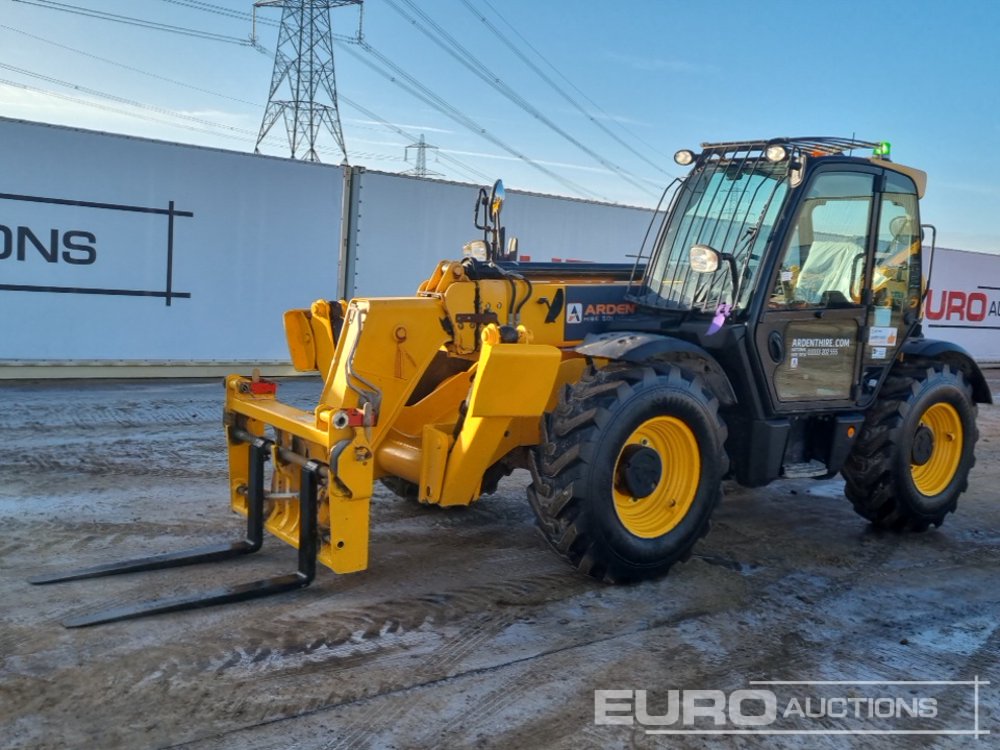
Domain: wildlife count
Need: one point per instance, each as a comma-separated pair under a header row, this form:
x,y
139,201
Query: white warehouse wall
x,y
252,237
406,225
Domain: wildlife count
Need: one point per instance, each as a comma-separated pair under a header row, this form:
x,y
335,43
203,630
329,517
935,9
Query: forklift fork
x,y
308,546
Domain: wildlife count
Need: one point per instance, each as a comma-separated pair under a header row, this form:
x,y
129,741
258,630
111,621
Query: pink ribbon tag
x,y
721,313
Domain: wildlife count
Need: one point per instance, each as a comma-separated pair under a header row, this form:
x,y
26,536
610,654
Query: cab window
x,y
823,264
896,277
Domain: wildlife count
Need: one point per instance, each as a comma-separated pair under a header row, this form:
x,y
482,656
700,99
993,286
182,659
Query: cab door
x,y
896,281
809,335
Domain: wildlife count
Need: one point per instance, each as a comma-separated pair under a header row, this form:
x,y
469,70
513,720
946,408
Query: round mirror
x,y
496,200
900,226
703,259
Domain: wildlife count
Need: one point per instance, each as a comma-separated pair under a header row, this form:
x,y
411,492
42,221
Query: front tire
x,y
630,470
915,450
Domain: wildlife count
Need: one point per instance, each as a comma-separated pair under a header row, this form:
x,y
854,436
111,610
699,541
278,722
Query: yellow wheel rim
x,y
663,508
945,425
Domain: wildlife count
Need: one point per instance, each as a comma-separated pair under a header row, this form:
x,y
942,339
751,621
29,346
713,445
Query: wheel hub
x,y
640,469
923,446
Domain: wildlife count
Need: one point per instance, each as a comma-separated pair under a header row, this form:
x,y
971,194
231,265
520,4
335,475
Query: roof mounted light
x,y
883,150
776,153
684,157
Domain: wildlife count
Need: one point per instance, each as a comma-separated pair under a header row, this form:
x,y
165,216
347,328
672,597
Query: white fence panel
x,y
407,225
117,248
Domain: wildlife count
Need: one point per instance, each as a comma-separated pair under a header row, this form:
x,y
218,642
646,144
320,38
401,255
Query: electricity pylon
x,y
304,76
421,169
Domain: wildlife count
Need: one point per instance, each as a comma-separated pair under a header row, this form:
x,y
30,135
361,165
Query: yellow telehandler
x,y
769,328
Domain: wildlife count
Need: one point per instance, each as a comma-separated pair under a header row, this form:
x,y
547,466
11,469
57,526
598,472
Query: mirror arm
x,y
734,272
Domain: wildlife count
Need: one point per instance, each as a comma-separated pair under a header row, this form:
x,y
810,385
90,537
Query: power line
x,y
241,15
107,108
212,8
409,83
454,162
239,135
124,66
120,99
469,60
559,89
139,22
572,85
422,92
221,11
427,95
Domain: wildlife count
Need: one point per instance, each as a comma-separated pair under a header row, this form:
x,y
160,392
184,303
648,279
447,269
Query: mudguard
x,y
946,351
634,346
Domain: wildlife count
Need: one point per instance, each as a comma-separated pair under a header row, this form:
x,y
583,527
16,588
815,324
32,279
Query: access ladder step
x,y
804,470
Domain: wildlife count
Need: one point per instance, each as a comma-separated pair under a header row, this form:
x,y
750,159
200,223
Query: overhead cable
x,y
469,60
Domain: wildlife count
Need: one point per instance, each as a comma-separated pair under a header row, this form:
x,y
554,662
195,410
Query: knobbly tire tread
x,y
560,495
876,476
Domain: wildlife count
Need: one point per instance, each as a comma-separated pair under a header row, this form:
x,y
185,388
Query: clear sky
x,y
637,81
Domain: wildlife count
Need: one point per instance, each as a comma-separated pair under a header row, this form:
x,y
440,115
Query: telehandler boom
x,y
770,328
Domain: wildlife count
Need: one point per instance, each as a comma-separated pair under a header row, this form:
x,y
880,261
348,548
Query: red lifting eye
x,y
262,387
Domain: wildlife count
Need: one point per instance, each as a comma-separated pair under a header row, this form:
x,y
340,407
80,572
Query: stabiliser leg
x,y
308,547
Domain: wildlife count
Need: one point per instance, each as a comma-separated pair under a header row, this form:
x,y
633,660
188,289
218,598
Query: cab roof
x,y
816,146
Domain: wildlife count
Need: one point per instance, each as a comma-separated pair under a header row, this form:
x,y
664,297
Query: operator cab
x,y
812,252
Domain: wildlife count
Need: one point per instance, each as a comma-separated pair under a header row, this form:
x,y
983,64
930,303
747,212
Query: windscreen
x,y
729,204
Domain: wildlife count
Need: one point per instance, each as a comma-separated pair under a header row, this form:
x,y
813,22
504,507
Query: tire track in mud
x,y
403,617
477,713
438,609
44,420
293,636
469,639
483,710
50,535
786,647
285,638
170,460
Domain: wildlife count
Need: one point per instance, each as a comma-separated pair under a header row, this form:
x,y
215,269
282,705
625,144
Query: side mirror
x,y
706,259
900,226
497,199
703,259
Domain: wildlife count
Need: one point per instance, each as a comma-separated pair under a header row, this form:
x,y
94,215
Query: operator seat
x,y
827,272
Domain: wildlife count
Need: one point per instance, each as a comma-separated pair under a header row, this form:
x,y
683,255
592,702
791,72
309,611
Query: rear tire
x,y
913,456
630,470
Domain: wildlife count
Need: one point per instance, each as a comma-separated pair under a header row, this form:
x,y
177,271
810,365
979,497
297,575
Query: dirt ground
x,y
466,631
